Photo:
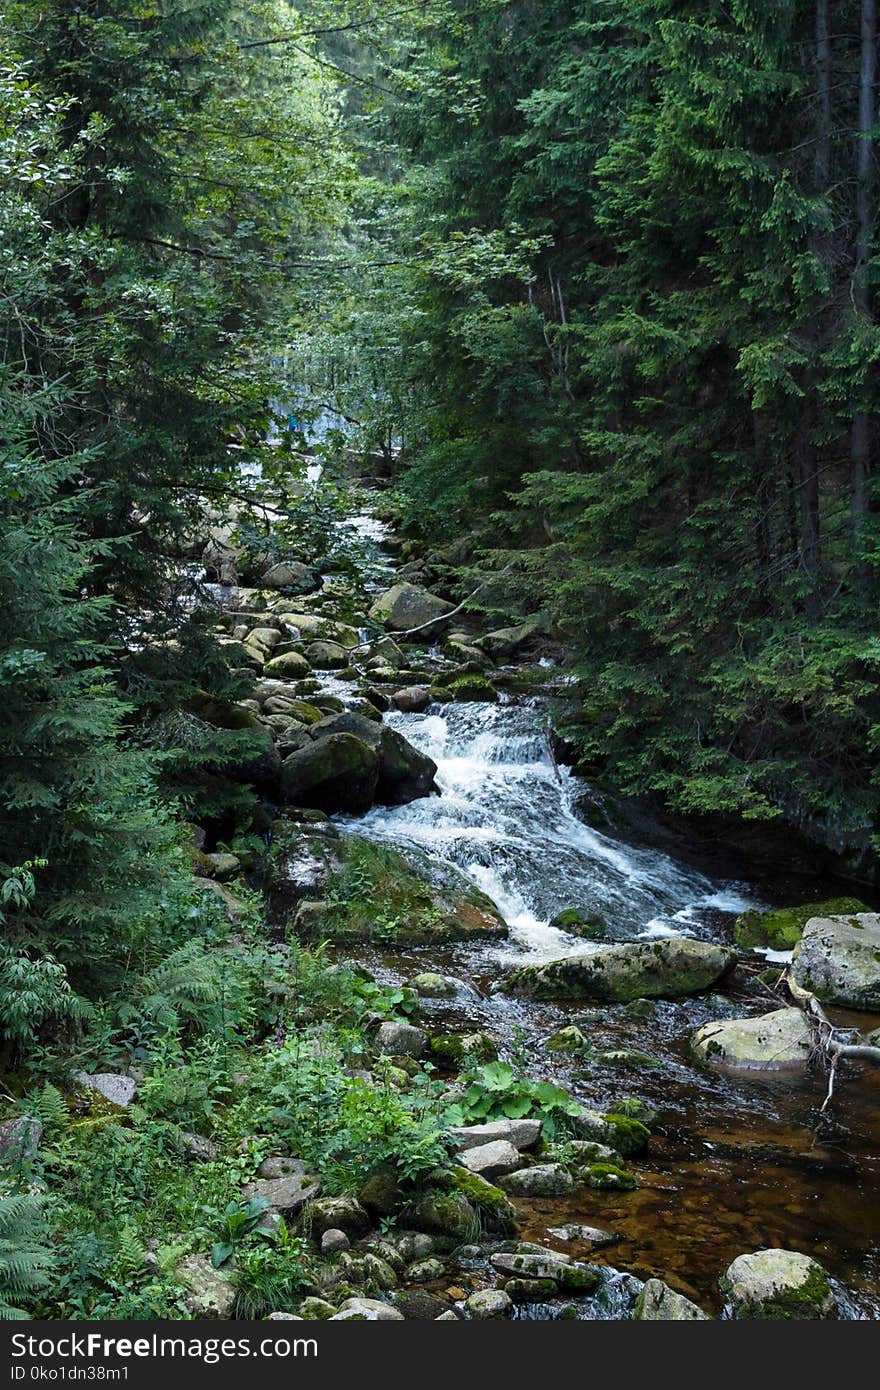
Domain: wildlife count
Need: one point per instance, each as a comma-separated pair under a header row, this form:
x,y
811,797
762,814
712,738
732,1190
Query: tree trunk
x,y
861,428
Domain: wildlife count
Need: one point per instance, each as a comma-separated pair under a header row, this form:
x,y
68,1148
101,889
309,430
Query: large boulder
x,y
406,607
492,1159
838,960
540,1180
670,968
20,1140
290,574
782,929
289,666
776,1041
778,1285
287,1192
659,1303
505,641
404,774
338,773
522,1134
210,1292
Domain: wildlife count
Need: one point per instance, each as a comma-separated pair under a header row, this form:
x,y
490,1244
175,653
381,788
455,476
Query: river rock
x,y
401,1040
657,1302
209,1292
505,641
782,929
838,959
412,699
338,773
366,1310
448,1214
672,967
775,1041
521,1134
405,774
541,1180
592,1235
333,1242
327,656
779,1285
489,1303
407,606
290,574
492,1159
290,666
428,985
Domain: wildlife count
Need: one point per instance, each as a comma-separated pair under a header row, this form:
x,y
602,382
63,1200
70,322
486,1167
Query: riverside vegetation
x,y
353,384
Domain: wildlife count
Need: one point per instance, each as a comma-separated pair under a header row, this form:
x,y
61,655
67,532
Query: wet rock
x,y
401,1040
657,1302
422,1306
569,1039
405,774
367,1310
782,929
407,606
522,1134
447,1214
596,1237
209,1292
412,699
774,1041
424,1271
495,1209
489,1303
119,1090
504,642
333,1242
577,923
431,986
671,967
540,1180
20,1140
492,1159
621,1132
338,773
535,1262
838,960
778,1285
415,1245
611,1177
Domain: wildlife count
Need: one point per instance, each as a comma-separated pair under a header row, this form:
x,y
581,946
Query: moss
x,y
464,688
495,1207
634,1109
608,1175
783,928
576,924
530,1290
460,1047
569,1039
627,1135
808,1301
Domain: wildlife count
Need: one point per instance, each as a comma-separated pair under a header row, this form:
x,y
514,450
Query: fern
x,y
25,1261
48,1106
182,987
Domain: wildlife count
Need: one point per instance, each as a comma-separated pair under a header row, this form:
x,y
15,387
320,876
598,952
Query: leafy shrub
x,y
496,1092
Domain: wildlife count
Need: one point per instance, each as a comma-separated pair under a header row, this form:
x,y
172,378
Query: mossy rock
x,y
669,968
464,1047
446,1214
609,1176
779,1286
634,1109
576,923
569,1039
464,689
496,1210
531,1290
782,929
626,1134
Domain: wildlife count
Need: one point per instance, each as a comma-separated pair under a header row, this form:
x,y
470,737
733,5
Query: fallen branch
x,y
830,1048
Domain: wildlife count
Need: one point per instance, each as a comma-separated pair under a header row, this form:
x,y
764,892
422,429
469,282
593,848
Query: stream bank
x,y
736,1163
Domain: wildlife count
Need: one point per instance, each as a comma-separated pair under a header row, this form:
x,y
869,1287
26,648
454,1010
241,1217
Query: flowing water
x,y
736,1164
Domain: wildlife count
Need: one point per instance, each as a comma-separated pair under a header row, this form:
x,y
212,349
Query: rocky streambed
x,y
675,1163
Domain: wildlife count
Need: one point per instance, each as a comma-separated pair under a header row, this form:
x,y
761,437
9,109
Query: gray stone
x,y
672,967
336,1213
424,1271
20,1140
412,699
401,1040
772,1042
489,1303
593,1235
209,1292
522,1134
406,606
541,1180
367,1310
119,1090
334,1241
291,575
778,1285
492,1159
838,960
196,1146
657,1302
285,1195
415,1245
431,986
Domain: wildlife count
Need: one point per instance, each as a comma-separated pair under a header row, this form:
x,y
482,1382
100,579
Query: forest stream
x,y
736,1162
